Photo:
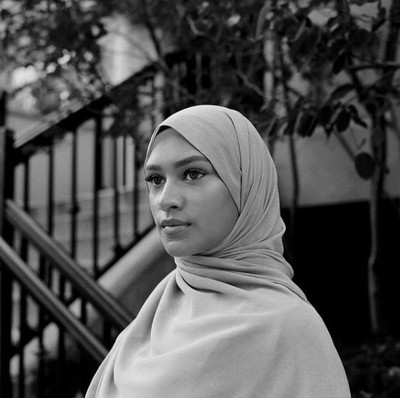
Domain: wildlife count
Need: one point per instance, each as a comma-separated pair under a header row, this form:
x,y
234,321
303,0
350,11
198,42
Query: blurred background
x,y
82,86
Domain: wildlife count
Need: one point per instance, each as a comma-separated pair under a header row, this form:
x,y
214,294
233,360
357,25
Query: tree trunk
x,y
378,146
375,261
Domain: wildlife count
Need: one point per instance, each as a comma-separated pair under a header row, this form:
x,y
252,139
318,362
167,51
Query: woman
x,y
228,321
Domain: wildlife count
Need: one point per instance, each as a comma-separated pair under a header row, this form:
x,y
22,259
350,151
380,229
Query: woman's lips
x,y
173,226
170,230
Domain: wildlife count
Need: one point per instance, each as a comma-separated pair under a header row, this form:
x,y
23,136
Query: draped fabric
x,y
229,322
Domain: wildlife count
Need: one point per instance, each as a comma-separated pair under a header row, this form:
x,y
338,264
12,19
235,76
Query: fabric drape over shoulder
x,y
228,322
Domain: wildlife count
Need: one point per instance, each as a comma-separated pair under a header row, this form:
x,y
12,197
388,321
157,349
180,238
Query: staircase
x,y
76,239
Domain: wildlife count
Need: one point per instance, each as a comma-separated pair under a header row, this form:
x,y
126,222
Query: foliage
x,y
343,61
343,53
223,46
373,369
215,39
338,58
59,39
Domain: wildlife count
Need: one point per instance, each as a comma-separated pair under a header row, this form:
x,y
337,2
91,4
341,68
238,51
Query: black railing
x,y
90,197
53,303
71,204
49,301
83,284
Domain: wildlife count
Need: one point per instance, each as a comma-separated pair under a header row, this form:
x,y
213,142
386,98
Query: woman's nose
x,y
170,197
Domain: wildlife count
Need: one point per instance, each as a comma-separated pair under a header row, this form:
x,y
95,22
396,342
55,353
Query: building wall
x,y
327,172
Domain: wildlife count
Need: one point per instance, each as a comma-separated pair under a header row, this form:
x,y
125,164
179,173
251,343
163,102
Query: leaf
x,y
312,39
233,20
359,37
339,63
261,20
356,117
338,46
307,124
298,44
332,21
342,121
365,165
325,115
341,92
299,36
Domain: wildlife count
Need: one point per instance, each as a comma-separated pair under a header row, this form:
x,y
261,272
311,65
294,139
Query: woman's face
x,y
192,208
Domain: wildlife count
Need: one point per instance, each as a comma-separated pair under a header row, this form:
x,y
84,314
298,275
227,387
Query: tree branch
x,y
376,65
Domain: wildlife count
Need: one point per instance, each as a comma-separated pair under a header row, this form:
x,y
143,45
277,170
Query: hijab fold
x,y
228,322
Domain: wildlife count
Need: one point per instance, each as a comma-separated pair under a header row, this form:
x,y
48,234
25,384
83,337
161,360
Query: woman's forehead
x,y
171,147
170,137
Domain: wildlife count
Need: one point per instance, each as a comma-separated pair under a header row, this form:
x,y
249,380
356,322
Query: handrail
x,y
58,139
64,118
83,283
43,295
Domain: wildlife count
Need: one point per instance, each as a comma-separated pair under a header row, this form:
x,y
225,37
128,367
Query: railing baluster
x,y
74,195
6,231
135,192
124,159
22,333
50,204
50,191
116,198
41,325
6,305
153,104
3,108
45,272
97,182
61,362
24,253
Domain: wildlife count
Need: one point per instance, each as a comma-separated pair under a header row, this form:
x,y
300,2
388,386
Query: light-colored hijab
x,y
228,322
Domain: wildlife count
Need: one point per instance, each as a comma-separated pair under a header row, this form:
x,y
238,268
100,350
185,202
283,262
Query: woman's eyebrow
x,y
178,163
190,159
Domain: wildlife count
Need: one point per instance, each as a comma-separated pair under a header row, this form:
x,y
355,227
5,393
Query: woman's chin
x,y
176,250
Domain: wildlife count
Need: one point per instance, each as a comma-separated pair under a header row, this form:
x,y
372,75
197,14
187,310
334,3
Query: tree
x,y
249,55
349,65
215,40
60,40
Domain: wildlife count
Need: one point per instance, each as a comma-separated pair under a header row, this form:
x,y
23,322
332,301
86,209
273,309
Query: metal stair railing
x,y
57,323
89,173
53,306
71,197
83,284
48,300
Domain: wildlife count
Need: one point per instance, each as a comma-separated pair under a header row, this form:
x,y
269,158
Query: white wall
x,y
126,49
327,173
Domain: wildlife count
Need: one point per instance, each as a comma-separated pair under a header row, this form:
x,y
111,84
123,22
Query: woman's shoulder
x,y
299,317
295,317
302,328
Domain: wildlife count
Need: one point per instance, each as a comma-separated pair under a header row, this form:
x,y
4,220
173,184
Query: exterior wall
x,y
127,49
327,172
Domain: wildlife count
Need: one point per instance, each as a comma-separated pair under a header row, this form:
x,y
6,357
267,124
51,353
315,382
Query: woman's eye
x,y
193,174
154,179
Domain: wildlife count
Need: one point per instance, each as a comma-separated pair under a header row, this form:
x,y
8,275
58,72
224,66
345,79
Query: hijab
x,y
228,322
